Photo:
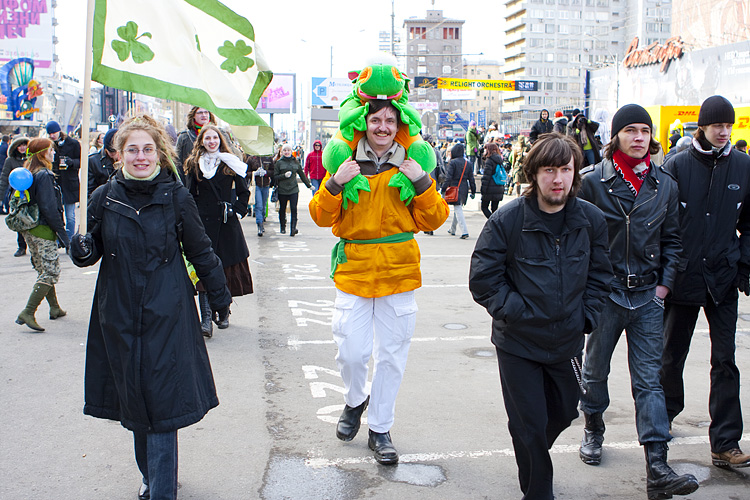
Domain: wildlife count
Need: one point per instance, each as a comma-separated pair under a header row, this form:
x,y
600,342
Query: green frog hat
x,y
377,81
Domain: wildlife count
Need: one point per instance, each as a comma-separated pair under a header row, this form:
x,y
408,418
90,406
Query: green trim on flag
x,y
261,83
224,15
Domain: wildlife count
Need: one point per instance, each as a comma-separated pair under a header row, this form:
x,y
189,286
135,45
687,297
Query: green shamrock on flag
x,y
235,55
129,33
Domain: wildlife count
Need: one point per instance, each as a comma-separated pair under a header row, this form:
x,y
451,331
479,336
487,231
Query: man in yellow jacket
x,y
375,267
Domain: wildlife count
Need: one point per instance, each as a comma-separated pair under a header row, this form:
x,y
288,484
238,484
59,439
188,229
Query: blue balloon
x,y
20,179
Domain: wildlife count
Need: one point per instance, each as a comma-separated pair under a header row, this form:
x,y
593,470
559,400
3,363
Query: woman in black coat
x,y
492,192
16,158
459,173
216,179
146,361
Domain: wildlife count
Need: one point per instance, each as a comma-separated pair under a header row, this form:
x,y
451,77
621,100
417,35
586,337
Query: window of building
x,y
422,70
535,57
549,43
575,29
562,87
574,87
602,16
562,57
417,32
602,3
549,71
589,15
563,2
549,29
563,72
534,100
549,101
421,59
563,43
563,29
549,14
548,86
563,14
422,48
450,33
537,28
549,57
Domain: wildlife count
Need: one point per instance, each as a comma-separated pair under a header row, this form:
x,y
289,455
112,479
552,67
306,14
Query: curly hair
x,y
153,128
36,157
192,165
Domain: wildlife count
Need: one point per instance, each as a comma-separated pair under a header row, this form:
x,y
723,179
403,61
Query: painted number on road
x,y
319,389
301,272
293,246
302,311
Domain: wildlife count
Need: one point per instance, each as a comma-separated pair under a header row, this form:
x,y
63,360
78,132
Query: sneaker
x,y
733,459
20,252
464,236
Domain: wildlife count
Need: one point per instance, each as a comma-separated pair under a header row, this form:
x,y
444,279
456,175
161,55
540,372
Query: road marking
x,y
293,342
318,462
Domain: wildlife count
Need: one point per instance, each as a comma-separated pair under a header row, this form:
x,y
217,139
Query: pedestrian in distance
x,y
197,117
741,146
262,169
640,203
16,158
459,173
517,156
376,270
541,269
216,179
542,126
285,172
4,151
66,166
494,178
42,240
97,142
146,361
102,162
472,147
560,123
582,131
314,166
438,173
714,195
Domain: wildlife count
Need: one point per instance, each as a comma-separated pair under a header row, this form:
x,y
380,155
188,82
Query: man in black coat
x,y
66,165
542,126
102,162
541,269
714,194
639,201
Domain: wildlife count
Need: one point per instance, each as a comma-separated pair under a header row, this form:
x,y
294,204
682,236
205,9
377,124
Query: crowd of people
x,y
601,237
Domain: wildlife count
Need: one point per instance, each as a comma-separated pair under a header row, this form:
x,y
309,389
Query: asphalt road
x,y
272,436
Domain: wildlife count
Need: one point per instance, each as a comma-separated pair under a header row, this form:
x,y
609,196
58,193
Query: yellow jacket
x,y
380,269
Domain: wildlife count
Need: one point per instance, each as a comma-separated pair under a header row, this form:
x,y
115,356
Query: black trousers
x,y
724,408
292,199
490,206
541,401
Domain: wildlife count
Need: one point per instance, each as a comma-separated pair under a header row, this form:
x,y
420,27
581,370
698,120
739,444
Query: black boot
x,y
207,328
381,444
661,480
593,436
293,229
350,420
260,229
282,227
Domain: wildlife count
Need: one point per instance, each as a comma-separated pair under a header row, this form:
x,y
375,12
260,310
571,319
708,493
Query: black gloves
x,y
742,281
81,246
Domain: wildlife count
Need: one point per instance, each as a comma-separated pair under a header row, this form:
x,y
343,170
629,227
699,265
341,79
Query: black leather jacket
x,y
101,168
644,233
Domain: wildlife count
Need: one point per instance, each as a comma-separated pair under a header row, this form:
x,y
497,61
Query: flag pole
x,y
86,120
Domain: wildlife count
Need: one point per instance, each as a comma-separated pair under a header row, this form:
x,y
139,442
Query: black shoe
x,y
661,480
144,493
451,233
464,236
222,321
207,328
350,420
20,252
429,232
590,451
260,229
381,444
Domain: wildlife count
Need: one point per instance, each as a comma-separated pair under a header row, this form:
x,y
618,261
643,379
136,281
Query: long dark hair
x,y
552,150
192,165
491,149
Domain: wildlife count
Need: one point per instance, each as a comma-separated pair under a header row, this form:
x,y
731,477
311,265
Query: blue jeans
x,y
589,155
70,219
156,456
261,202
315,185
645,345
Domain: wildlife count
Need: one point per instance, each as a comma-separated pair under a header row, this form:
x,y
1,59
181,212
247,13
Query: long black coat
x,y
146,360
490,190
453,176
67,176
714,205
227,239
101,168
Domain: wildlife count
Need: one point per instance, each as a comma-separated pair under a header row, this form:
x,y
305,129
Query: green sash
x,y
338,255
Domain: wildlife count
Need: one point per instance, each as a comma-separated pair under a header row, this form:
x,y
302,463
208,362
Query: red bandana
x,y
624,165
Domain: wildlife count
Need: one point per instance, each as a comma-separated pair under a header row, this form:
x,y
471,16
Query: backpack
x,y
23,214
500,175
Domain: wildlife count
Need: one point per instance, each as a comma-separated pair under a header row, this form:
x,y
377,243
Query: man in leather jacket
x,y
102,162
714,193
639,201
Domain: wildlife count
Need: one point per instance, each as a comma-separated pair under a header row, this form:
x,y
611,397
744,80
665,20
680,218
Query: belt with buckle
x,y
635,281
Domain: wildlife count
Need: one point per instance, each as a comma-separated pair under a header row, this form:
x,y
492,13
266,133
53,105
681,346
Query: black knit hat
x,y
630,113
716,109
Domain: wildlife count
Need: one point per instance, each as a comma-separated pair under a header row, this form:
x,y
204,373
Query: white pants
x,y
458,217
387,325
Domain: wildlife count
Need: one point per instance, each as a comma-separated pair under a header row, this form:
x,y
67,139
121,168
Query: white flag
x,y
194,51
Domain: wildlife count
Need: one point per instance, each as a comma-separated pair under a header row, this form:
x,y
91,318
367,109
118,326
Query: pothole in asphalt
x,y
288,477
414,474
700,472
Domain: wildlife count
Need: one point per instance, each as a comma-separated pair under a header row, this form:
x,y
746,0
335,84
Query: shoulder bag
x,y
23,214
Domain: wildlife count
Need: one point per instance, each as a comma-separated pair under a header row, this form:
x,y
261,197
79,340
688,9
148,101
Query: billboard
x,y
26,32
280,95
330,91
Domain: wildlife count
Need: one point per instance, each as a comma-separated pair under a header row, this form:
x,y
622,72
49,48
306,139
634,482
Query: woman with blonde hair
x,y
146,361
97,143
216,179
42,239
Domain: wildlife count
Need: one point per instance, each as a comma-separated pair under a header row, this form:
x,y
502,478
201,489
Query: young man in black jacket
x,y
714,194
541,269
639,201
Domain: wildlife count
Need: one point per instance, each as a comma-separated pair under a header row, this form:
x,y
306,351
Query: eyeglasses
x,y
202,113
147,151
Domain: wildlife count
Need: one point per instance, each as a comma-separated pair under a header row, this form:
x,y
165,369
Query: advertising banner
x,y
425,105
454,118
26,32
458,95
280,95
330,91
502,85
